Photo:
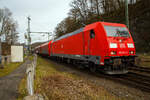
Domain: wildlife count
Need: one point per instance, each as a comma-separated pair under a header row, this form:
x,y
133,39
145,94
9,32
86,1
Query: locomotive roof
x,y
70,34
88,27
77,31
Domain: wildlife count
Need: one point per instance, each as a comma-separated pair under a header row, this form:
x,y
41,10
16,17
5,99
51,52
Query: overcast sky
x,y
45,15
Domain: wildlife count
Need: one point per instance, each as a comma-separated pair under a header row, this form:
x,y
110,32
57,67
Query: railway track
x,y
132,79
140,77
140,69
139,81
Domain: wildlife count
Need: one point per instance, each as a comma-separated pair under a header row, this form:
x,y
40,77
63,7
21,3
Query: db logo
x,y
122,45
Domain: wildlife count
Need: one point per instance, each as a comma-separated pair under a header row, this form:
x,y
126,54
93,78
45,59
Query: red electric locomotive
x,y
105,46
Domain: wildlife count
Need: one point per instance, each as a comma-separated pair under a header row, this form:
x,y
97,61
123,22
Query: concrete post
x,y
127,13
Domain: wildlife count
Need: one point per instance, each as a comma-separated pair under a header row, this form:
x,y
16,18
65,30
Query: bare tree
x,y
8,26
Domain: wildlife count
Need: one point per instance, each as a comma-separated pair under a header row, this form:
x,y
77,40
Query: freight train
x,y
104,46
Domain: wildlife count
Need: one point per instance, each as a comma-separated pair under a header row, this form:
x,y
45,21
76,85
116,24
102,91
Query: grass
x,y
31,57
23,85
55,84
22,89
8,68
144,60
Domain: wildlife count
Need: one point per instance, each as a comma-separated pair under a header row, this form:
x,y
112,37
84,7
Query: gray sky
x,y
45,15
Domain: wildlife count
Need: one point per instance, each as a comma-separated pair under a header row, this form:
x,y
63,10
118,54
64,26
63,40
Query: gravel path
x,y
9,84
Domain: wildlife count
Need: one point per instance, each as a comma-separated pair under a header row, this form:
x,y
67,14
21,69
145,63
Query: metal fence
x,y
31,74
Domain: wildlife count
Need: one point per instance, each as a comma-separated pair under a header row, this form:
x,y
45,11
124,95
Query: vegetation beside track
x,y
8,68
57,84
23,85
144,60
22,89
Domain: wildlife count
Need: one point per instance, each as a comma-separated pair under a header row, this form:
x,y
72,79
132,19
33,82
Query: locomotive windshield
x,y
115,31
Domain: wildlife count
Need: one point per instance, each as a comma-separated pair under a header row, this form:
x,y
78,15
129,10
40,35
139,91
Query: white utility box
x,y
17,53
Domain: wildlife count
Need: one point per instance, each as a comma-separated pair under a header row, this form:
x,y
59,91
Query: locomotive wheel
x,y
92,67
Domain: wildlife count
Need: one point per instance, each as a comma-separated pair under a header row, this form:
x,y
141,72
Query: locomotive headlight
x,y
113,45
130,45
131,52
113,52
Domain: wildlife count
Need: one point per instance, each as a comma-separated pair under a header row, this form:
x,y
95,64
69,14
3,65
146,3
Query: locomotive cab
x,y
121,49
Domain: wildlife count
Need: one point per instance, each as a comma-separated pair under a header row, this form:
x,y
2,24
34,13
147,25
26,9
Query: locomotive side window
x,y
92,34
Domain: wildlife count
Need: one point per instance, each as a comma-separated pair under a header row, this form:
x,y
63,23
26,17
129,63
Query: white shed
x,y
17,53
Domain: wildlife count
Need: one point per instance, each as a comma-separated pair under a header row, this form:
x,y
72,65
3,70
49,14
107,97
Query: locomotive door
x,y
88,41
